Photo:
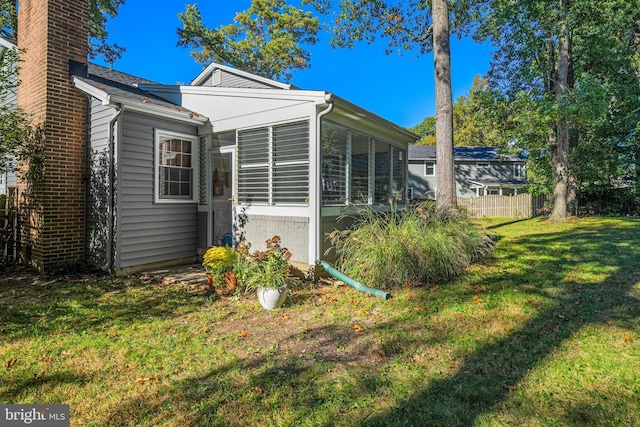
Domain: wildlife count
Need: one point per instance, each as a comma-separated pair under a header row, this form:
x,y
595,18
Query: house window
x,y
383,191
334,164
274,164
174,177
359,168
291,163
397,174
429,168
253,161
519,171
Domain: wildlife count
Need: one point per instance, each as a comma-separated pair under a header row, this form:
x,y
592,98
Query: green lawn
x,y
545,332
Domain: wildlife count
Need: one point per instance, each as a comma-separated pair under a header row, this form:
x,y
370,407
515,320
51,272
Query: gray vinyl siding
x,y
228,79
97,199
422,185
465,171
149,232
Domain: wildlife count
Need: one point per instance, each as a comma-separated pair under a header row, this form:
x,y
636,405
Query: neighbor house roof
x,y
115,87
478,153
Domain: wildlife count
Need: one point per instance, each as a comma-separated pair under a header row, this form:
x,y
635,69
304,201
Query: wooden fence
x,y
9,226
520,206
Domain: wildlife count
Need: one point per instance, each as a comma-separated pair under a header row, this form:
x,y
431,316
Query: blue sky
x,y
398,88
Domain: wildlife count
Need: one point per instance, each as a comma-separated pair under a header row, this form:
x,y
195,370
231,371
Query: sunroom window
x,y
274,164
174,173
357,168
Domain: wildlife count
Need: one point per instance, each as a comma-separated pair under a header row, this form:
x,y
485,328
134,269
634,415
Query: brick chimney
x,y
52,32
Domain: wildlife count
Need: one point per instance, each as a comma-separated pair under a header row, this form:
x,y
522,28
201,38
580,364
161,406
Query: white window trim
x,y
426,162
195,160
519,170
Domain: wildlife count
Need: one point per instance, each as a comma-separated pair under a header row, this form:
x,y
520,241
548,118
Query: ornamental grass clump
x,y
419,245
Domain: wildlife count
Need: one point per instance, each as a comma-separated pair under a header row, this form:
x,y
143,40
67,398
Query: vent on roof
x,y
216,77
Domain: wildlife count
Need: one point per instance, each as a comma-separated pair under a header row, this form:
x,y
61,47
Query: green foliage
x,y
427,131
218,259
267,39
99,12
417,246
268,268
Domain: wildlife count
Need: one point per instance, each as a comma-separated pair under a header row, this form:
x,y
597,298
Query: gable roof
x,y
262,81
476,153
115,87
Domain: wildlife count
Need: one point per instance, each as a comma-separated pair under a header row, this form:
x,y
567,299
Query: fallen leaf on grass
x,y
477,299
11,364
511,388
364,312
508,329
358,329
152,379
113,335
204,329
37,377
256,390
244,334
382,355
66,352
46,359
478,288
627,338
306,330
418,309
285,317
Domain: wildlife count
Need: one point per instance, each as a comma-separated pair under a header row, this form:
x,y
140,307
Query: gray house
x,y
479,171
141,174
231,157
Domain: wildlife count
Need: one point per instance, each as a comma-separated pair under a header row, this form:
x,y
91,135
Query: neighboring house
x,y
7,176
479,171
233,156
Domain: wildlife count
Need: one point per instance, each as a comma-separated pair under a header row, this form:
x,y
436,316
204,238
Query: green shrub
x,y
414,246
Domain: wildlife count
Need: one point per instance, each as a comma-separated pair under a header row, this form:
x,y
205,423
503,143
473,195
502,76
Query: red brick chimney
x,y
52,32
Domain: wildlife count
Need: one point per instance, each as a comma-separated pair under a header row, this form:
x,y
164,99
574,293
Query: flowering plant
x,y
219,259
268,268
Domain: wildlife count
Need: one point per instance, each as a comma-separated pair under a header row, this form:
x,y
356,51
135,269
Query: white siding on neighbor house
x,y
149,232
98,194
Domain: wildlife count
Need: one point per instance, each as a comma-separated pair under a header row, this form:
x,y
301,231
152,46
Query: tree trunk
x,y
560,148
445,179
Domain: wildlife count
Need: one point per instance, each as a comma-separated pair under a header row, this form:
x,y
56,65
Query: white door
x,y
222,188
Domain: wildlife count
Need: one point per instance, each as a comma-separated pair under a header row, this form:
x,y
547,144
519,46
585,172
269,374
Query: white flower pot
x,y
271,298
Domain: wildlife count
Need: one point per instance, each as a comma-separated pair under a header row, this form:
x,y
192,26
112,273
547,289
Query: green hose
x,y
352,282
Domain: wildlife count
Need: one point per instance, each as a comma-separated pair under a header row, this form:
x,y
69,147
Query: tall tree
x,y
445,178
99,13
267,39
550,54
408,25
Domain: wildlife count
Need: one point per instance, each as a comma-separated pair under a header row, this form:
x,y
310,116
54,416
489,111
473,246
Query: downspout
x,y
111,178
352,282
318,189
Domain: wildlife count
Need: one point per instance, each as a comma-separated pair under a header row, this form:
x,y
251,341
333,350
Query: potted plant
x,y
267,272
218,261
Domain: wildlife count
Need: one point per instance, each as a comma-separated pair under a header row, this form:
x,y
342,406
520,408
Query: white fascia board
x,y
156,110
6,43
207,71
140,107
317,97
358,113
91,90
